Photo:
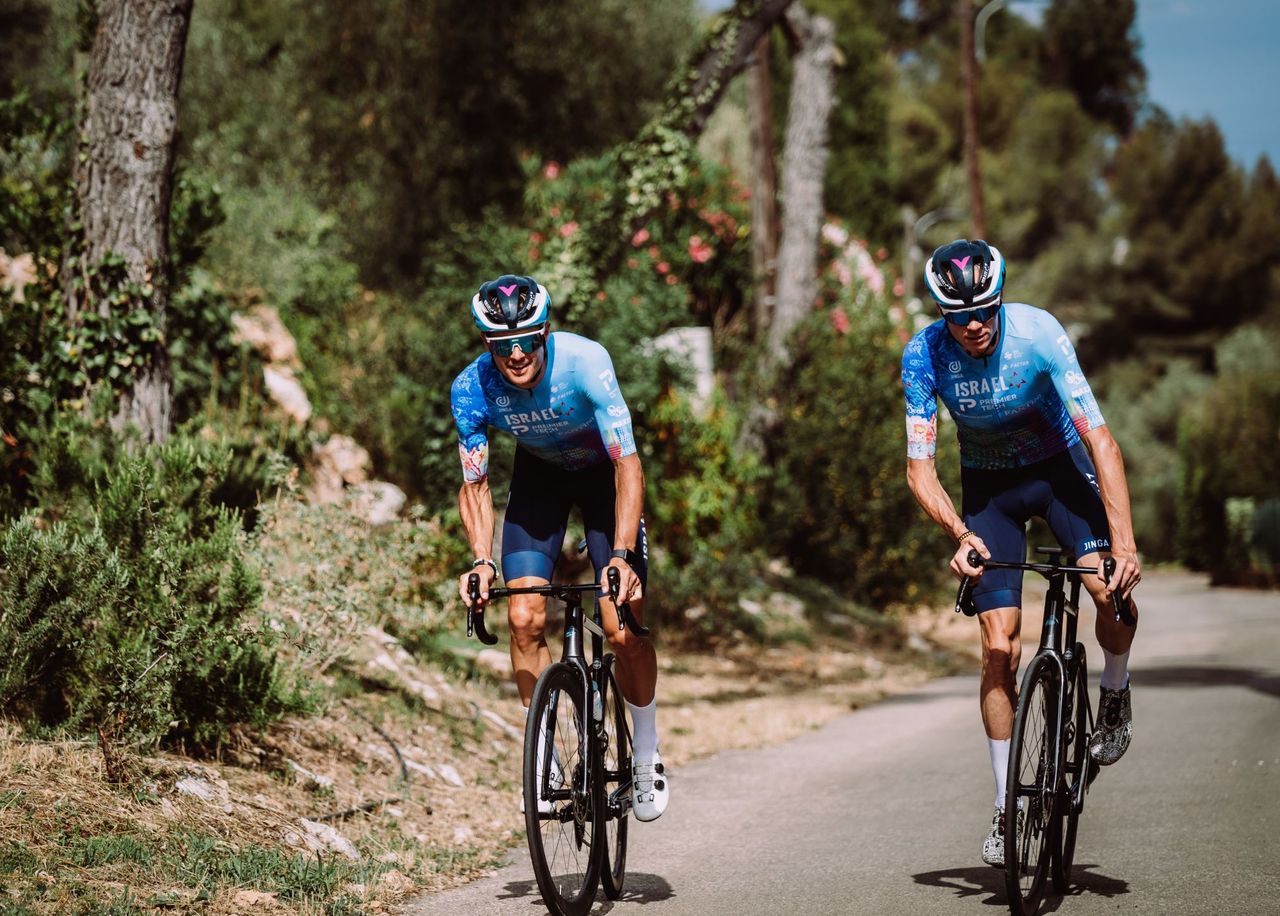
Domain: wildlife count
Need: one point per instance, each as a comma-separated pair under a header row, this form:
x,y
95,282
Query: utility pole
x,y
969,67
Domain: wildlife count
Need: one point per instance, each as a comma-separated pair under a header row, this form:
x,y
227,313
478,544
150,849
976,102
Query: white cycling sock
x,y
1115,670
644,738
999,749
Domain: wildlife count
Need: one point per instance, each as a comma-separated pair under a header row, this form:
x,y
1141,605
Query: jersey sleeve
x,y
920,389
613,418
471,417
1059,360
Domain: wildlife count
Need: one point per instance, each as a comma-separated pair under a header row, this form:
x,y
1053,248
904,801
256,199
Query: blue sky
x,y
1205,58
1217,58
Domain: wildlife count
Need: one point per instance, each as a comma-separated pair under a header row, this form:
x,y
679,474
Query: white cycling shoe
x,y
650,787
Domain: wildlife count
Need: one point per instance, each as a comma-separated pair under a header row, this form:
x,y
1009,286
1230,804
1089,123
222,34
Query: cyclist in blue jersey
x,y
1032,442
556,393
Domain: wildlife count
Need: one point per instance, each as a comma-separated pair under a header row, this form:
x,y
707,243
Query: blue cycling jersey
x,y
1023,403
574,418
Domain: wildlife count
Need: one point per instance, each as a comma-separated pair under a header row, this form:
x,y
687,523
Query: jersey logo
x,y
954,366
508,290
607,378
962,263
502,401
616,411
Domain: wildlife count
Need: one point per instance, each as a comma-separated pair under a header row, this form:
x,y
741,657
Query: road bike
x,y
577,755
1050,769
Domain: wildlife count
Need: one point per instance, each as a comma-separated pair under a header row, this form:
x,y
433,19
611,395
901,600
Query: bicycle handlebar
x,y
964,602
475,615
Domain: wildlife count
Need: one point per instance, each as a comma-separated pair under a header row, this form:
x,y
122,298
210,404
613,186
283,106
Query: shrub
x,y
136,615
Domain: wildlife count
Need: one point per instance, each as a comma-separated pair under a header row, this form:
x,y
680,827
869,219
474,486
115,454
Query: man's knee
x,y
527,618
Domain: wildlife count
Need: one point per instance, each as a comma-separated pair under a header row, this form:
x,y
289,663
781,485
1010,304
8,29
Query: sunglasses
x,y
528,343
980,313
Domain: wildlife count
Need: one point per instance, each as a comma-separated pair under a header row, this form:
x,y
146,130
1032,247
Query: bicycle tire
x,y
562,836
1028,847
1075,768
615,770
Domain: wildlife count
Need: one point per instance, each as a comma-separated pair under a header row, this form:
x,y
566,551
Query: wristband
x,y
964,535
481,561
626,556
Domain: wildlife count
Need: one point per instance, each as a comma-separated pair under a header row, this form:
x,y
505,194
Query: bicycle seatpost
x,y
1121,604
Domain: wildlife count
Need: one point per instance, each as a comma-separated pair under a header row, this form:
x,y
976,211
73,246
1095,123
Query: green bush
x,y
838,503
136,614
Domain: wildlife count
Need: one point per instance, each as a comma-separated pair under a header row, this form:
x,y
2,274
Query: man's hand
x,y
1127,575
486,574
960,562
629,587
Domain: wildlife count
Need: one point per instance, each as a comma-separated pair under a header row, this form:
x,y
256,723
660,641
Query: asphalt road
x,y
883,811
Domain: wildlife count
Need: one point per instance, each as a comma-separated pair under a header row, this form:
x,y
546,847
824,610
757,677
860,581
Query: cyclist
x,y
557,394
1031,436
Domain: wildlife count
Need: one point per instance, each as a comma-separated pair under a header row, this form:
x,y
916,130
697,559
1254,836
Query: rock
x,y
378,502
322,838
450,775
200,788
261,328
396,882
337,463
252,900
16,273
285,390
494,661
463,834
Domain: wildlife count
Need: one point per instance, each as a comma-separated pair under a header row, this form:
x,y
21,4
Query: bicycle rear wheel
x,y
1075,768
615,768
1030,828
562,818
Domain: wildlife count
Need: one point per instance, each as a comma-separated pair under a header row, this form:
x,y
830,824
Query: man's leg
x,y
998,692
1115,715
527,617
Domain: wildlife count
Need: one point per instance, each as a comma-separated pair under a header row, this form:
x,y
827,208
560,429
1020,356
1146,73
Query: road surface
x,y
883,811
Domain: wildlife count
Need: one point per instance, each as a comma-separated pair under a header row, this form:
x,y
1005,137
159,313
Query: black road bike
x,y
577,755
1050,769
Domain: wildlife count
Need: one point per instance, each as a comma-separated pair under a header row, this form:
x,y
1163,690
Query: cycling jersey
x,y
1023,403
574,418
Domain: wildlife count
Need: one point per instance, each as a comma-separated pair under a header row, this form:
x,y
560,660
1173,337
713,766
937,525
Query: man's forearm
x,y
1114,486
475,505
922,478
628,478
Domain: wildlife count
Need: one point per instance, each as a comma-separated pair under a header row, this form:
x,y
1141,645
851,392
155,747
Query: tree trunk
x,y
124,180
969,62
803,173
764,188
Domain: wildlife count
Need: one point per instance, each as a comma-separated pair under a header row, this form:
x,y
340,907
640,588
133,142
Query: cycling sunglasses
x,y
979,313
528,343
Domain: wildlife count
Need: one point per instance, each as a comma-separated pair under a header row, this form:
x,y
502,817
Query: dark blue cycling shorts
x,y
997,504
538,513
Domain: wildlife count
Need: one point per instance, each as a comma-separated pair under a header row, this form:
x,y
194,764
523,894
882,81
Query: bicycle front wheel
x,y
560,789
1075,766
1030,828
615,769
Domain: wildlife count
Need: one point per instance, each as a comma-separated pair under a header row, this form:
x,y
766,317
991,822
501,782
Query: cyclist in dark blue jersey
x,y
556,393
1032,442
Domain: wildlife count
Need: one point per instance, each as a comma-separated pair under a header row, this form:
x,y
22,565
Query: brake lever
x,y
475,615
964,597
1118,602
624,610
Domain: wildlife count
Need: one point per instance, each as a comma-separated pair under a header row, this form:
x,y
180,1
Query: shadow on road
x,y
972,882
1209,676
640,888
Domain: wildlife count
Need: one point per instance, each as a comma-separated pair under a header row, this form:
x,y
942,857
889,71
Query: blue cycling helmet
x,y
510,303
965,275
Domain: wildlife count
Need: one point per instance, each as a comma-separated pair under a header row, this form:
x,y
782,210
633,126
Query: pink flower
x,y
699,250
568,229
653,251
663,267
882,253
536,238
554,211
671,280
641,236
899,287
839,321
632,263
551,171
601,296
534,254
